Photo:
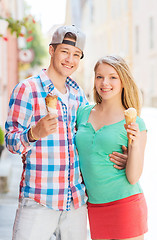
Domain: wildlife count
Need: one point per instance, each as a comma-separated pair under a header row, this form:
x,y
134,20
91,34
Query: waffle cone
x,y
130,117
51,103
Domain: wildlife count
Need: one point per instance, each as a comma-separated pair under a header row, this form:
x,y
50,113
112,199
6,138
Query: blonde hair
x,y
130,93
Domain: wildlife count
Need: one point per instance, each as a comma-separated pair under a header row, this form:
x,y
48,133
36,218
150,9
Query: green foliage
x,y
15,26
31,31
1,136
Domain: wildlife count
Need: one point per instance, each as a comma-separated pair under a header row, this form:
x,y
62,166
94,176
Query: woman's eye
x,y
113,77
99,77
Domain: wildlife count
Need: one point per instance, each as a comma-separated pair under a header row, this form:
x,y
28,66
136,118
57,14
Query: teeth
x,y
67,66
105,90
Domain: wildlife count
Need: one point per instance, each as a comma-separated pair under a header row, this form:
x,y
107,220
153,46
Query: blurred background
x,y
123,27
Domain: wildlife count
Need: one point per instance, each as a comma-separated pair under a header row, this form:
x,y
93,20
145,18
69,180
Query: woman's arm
x,y
134,166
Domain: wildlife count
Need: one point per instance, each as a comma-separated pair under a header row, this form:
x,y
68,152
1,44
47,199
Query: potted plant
x,y
1,141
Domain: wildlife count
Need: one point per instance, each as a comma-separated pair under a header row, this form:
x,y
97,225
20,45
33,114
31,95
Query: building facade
x,y
145,49
122,27
8,57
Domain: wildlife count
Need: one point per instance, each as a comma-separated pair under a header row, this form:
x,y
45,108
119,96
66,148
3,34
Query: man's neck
x,y
57,80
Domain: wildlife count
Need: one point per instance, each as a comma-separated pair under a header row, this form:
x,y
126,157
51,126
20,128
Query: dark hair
x,y
70,35
67,35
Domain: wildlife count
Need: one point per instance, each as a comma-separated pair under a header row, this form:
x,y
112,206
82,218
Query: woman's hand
x,y
133,133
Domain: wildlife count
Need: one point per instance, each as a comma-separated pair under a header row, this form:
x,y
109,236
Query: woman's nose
x,y
105,80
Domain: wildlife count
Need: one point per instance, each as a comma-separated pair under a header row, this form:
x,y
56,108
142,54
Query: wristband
x,y
33,135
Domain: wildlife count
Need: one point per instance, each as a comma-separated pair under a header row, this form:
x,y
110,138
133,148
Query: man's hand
x,y
44,127
120,159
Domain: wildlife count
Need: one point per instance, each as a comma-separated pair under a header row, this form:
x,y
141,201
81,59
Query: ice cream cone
x,y
130,117
51,103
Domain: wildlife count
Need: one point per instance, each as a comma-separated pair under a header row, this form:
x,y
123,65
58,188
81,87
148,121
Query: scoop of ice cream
x,y
130,115
130,112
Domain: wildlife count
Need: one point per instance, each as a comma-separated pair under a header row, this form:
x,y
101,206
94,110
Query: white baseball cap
x,y
59,34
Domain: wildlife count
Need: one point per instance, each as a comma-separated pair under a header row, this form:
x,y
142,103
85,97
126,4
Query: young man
x,y
52,194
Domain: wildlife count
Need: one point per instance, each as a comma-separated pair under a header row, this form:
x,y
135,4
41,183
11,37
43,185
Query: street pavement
x,y
8,201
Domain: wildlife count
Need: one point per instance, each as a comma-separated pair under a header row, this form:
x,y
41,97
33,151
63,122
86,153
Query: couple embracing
x,y
78,159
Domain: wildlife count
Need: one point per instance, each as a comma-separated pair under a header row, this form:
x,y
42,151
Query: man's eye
x,y
77,55
64,51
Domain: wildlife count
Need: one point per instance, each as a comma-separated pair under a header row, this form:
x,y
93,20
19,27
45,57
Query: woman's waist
x,y
130,199
110,188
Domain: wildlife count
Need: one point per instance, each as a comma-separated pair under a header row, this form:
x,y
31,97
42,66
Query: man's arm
x,y
120,159
19,122
45,126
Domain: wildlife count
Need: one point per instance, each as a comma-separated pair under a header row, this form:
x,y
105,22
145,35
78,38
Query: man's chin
x,y
69,72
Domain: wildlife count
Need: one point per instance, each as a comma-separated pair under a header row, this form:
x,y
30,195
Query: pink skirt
x,y
125,218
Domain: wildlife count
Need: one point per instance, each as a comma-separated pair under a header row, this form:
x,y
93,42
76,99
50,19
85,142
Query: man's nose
x,y
69,57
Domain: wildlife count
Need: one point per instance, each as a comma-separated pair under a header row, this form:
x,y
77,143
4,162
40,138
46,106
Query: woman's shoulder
x,y
83,112
85,108
141,123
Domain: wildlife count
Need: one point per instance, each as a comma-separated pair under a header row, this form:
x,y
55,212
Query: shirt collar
x,y
72,83
46,82
48,85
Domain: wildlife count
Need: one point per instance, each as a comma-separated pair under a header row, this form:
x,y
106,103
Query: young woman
x,y
116,204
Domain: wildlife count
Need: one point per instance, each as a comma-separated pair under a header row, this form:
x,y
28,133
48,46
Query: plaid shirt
x,y
51,174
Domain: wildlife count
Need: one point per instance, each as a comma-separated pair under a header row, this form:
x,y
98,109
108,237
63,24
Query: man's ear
x,y
51,50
